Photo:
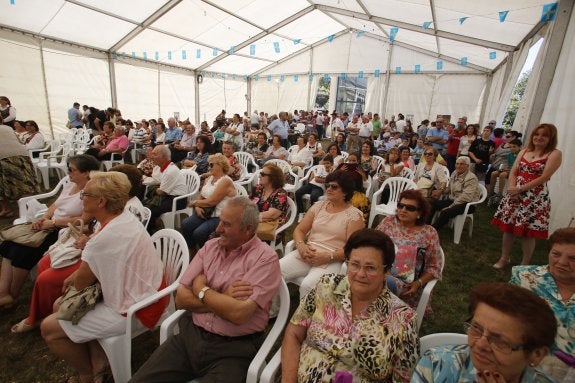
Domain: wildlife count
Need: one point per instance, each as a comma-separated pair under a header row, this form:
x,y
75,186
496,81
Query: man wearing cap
x,y
463,188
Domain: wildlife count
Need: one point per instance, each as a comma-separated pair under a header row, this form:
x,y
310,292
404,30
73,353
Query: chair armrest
x,y
147,302
270,371
178,198
290,246
168,325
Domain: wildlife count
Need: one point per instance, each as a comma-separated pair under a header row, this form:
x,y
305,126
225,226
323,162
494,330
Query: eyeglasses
x,y
84,194
355,267
332,186
476,332
410,208
70,170
262,174
428,153
508,136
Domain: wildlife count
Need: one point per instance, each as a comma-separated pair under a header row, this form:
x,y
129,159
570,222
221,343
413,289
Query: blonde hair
x,y
114,187
222,160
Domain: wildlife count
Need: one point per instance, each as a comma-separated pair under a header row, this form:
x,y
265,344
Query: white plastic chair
x,y
171,247
246,159
143,215
434,340
29,208
58,162
80,142
115,159
344,155
395,185
380,162
286,168
171,219
170,327
407,173
291,215
240,190
426,293
459,221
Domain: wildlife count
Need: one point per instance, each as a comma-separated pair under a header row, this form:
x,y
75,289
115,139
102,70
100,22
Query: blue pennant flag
x,y
330,38
502,16
426,25
276,47
12,2
169,55
360,33
233,76
296,78
184,54
417,68
310,77
215,52
257,77
213,75
296,41
549,12
492,55
123,55
223,75
145,56
392,33
157,56
133,55
360,74
252,49
397,70
269,77
232,49
282,78
462,20
463,61
115,55
377,73
245,78
198,53
439,65
326,76
343,75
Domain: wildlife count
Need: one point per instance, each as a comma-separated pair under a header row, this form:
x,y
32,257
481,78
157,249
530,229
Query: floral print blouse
x,y
452,364
379,345
277,200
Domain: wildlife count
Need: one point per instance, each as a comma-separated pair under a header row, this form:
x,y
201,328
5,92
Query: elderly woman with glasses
x,y
320,236
509,333
217,188
431,177
418,252
17,259
270,196
351,327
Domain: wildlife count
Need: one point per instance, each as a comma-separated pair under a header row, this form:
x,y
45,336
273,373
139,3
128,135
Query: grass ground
x,y
25,357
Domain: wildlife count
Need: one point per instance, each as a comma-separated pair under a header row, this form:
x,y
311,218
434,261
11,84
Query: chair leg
x,y
458,223
168,220
119,359
470,225
45,177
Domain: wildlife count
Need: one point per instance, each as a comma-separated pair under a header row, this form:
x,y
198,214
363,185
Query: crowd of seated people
x,y
381,284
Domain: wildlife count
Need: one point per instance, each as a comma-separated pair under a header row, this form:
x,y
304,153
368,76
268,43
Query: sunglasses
x,y
332,186
508,136
410,208
428,154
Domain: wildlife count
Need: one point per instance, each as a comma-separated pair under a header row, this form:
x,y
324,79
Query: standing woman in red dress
x,y
525,209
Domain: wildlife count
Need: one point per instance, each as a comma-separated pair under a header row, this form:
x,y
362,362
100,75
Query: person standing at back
x,y
75,116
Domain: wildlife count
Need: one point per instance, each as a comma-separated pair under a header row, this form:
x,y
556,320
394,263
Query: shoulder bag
x,y
75,304
23,234
63,253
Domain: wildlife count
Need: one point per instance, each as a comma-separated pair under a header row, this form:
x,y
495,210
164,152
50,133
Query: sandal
x,y
501,263
22,326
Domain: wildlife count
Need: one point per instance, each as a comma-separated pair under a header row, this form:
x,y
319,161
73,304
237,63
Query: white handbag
x,y
63,253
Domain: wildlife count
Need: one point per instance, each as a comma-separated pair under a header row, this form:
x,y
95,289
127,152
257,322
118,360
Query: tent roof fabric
x,y
244,37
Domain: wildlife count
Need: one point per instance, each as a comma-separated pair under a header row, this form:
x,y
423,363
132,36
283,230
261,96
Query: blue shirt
x,y
434,132
75,117
173,134
452,364
280,128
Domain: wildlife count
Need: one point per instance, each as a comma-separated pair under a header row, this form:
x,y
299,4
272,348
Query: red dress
x,y
528,215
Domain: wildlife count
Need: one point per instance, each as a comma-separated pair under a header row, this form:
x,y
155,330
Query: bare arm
x,y
84,277
291,347
553,163
220,192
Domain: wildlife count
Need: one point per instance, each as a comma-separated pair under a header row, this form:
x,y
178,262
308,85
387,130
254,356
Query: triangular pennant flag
x,y
124,55
343,75
145,56
115,55
426,25
133,55
233,76
213,75
198,53
184,54
330,38
397,70
417,68
157,56
257,77
439,65
360,33
502,16
377,73
295,77
549,12
310,77
282,78
326,76
245,78
169,55
232,49
296,41
360,74
462,20
269,77
492,55
223,75
276,47
393,32
252,49
12,2
463,61
215,52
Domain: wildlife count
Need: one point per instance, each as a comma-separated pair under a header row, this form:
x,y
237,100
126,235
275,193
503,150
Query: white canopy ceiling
x,y
245,37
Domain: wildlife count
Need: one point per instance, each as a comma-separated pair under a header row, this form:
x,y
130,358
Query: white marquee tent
x,y
419,57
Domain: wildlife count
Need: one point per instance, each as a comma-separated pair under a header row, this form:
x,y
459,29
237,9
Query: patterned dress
x,y
277,200
380,345
418,251
528,215
453,364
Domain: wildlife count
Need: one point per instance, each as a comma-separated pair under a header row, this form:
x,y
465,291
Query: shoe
x,y
501,264
22,326
6,301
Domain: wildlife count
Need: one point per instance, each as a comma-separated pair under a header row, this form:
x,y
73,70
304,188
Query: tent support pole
x,y
159,91
112,72
46,89
485,99
197,98
431,100
249,97
550,59
309,82
387,77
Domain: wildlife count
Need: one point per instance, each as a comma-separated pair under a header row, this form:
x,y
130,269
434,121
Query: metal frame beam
x,y
434,19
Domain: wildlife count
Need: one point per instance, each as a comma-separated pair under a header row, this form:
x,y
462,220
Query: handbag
x,y
75,304
424,185
63,253
267,230
23,234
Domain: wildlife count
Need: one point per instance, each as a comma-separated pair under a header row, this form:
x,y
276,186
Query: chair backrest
x,y
482,193
172,249
284,166
27,210
240,190
291,214
426,293
292,148
433,340
407,173
143,214
344,155
300,128
380,162
246,159
307,176
192,181
396,185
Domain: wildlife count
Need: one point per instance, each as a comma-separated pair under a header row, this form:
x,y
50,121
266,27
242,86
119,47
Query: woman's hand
x,y
37,225
313,257
487,376
514,192
410,289
199,212
69,281
81,242
436,193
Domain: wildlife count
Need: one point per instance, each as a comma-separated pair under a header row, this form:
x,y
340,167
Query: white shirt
x,y
365,129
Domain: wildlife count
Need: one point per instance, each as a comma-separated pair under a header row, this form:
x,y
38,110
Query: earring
x,y
531,364
418,217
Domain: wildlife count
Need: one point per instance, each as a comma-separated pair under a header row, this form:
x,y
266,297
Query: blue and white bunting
x,y
377,73
310,77
232,49
145,56
359,34
282,78
360,74
439,65
296,41
115,55
330,38
184,54
133,55
393,32
397,70
417,68
426,24
252,49
169,55
502,16
343,75
296,78
198,53
269,77
157,56
492,55
276,47
123,55
257,77
549,12
463,61
462,20
215,52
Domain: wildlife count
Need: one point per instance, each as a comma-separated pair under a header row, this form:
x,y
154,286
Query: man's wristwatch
x,y
202,293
